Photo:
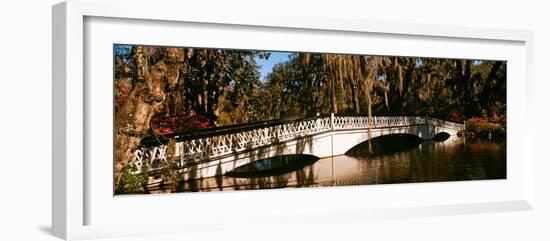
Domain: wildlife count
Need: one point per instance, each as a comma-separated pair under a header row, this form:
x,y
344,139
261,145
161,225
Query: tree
x,y
153,69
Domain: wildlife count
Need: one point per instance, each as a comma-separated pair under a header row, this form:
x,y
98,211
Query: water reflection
x,y
373,163
384,145
273,166
441,136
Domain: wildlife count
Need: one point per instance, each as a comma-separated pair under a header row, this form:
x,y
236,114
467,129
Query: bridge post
x,y
426,118
277,129
332,121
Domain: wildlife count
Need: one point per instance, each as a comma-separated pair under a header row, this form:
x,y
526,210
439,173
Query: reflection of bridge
x,y
215,152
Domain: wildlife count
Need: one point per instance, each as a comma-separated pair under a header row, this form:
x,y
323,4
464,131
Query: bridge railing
x,y
446,124
359,122
220,145
217,145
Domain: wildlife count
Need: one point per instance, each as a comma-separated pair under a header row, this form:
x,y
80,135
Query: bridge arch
x,y
441,136
385,144
271,166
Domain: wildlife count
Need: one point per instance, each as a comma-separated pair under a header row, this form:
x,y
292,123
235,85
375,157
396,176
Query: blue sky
x,y
266,66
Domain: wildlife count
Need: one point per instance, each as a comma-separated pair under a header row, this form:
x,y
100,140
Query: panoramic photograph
x,y
191,119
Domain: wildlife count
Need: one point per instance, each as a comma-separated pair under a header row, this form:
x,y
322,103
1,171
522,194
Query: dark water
x,y
397,159
275,166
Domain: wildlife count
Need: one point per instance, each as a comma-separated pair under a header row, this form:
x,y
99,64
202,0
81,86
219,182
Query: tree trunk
x,y
334,104
488,87
467,90
132,121
354,97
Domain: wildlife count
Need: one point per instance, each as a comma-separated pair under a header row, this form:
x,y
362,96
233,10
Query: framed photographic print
x,y
164,123
204,119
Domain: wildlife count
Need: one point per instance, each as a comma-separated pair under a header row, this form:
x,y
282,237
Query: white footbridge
x,y
214,153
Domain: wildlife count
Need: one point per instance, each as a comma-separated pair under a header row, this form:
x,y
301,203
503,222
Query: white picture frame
x,y
74,198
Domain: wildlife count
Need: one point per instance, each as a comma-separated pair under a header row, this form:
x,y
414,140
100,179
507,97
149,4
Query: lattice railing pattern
x,y
358,122
220,145
445,124
152,158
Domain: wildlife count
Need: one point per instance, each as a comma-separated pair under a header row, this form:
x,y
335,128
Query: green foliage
x,y
223,85
131,182
481,128
308,84
212,77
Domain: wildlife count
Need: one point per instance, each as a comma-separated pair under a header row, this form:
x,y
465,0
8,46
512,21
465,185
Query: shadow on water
x,y
384,145
441,136
273,166
390,159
